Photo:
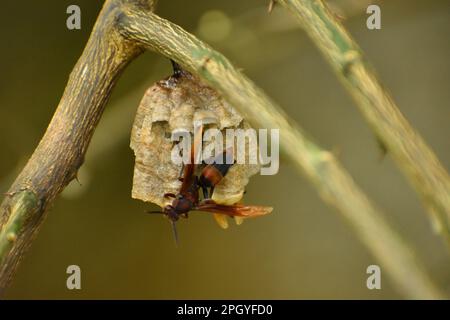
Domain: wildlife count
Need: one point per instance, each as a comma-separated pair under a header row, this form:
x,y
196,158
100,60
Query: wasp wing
x,y
235,210
189,168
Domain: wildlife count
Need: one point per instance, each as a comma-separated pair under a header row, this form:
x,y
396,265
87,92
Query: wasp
x,y
188,199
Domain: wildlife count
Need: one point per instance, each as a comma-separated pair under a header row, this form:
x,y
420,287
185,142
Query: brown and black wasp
x,y
188,199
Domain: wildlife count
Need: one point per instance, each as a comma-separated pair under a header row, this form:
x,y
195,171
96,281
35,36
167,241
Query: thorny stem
x,y
413,156
61,151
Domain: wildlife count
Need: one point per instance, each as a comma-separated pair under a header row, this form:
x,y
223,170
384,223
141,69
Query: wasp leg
x,y
205,192
208,201
180,175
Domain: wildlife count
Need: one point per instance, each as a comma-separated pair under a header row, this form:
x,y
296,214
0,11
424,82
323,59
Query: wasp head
x,y
171,213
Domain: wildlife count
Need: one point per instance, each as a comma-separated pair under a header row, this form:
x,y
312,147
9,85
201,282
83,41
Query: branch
x,y
417,161
61,151
123,27
333,183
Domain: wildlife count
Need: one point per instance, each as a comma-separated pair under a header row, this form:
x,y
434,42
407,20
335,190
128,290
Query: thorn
x,y
11,236
336,151
177,70
272,4
78,180
383,150
9,194
340,17
13,193
351,57
205,62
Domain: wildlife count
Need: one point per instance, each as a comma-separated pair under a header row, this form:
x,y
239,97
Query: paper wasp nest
x,y
173,105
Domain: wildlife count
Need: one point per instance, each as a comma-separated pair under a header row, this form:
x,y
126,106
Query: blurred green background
x,y
303,249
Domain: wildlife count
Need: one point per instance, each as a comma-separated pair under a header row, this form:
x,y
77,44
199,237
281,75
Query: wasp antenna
x,y
175,233
153,212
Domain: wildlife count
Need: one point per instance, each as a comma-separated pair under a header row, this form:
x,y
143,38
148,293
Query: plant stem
x,y
413,156
333,183
61,151
123,29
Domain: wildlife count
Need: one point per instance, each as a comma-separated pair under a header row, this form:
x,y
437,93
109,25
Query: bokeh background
x,y
302,250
